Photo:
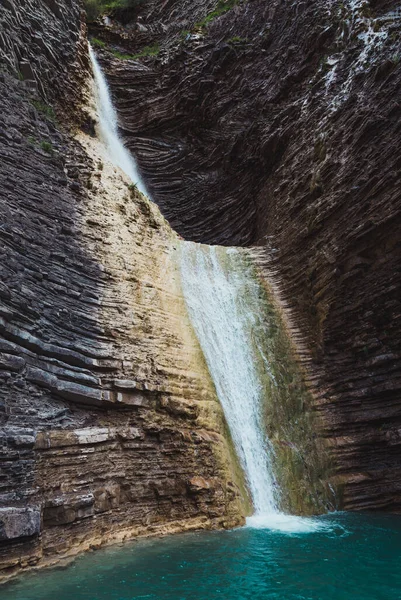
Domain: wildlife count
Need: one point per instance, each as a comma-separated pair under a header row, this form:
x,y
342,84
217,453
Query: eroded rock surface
x,y
274,125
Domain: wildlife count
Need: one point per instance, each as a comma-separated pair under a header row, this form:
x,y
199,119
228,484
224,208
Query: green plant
x,y
147,51
97,43
376,26
122,4
366,11
31,140
94,8
221,8
46,147
236,39
237,42
120,55
45,109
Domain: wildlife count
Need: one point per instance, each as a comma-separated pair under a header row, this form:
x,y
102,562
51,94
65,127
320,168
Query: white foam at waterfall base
x,y
286,523
225,305
108,124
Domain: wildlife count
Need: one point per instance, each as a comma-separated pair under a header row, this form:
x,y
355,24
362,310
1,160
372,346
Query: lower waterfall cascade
x,y
224,304
221,304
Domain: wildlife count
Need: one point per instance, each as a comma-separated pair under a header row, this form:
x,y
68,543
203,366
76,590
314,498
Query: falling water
x,y
227,310
220,301
108,123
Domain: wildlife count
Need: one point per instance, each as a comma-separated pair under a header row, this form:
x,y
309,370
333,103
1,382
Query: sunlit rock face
x,y
277,125
108,417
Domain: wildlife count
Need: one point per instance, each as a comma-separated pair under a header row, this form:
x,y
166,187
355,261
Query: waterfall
x,y
224,301
221,303
108,124
226,307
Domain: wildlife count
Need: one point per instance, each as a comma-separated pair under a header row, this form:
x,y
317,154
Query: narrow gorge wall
x,y
269,125
277,125
110,425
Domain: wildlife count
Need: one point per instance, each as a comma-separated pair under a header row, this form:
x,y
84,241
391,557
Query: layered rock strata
x,y
110,425
273,126
277,125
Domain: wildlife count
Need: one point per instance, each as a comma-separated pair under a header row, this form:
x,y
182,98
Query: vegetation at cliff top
x,y
221,8
146,51
94,8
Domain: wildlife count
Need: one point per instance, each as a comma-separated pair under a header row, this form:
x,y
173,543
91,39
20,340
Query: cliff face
x,y
268,125
277,125
110,426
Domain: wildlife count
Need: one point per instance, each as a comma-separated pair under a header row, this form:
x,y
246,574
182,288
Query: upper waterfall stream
x,y
225,304
108,123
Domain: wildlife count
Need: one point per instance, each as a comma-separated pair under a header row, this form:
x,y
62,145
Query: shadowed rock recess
x,y
271,125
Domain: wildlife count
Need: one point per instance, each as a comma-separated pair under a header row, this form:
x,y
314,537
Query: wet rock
x,y
19,523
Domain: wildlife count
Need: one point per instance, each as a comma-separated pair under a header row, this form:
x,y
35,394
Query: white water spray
x,y
225,304
108,123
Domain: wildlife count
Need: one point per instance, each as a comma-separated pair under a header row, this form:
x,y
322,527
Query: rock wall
x,y
268,125
277,125
110,425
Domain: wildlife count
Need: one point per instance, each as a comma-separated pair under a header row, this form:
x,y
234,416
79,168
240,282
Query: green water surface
x,y
350,557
